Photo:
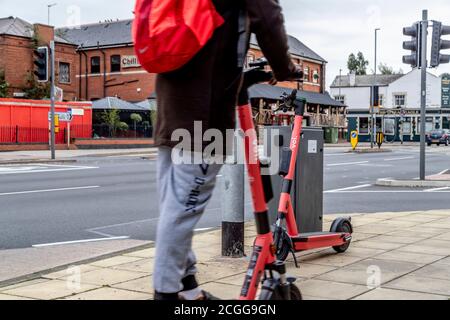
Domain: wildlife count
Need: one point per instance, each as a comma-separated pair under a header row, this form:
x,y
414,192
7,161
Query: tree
x,y
153,119
35,90
357,64
111,118
136,119
3,85
387,70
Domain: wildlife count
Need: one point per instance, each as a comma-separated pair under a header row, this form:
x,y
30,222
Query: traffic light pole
x,y
423,91
52,100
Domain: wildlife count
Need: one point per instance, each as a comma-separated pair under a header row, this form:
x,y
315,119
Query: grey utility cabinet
x,y
307,191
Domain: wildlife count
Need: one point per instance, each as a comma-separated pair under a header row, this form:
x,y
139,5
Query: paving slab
x,y
331,290
114,261
51,289
412,257
308,270
144,284
435,271
395,239
62,274
224,291
382,245
362,272
110,294
330,259
104,277
6,297
392,294
142,265
421,284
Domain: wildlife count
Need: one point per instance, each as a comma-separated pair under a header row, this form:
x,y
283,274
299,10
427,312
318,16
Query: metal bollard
x,y
233,210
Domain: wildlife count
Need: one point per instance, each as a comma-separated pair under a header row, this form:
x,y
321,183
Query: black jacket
x,y
206,88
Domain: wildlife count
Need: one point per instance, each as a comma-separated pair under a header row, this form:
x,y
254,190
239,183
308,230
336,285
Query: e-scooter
x,y
286,235
264,266
270,249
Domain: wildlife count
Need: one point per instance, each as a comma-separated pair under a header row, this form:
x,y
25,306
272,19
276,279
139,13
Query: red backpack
x,y
169,33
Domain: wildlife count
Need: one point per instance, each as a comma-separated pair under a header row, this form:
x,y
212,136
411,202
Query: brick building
x,y
108,64
18,39
313,65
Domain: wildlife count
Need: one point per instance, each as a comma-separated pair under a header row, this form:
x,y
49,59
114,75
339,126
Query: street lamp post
x,y
372,111
49,6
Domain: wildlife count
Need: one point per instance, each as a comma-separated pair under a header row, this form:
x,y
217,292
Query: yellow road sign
x,y
380,139
354,139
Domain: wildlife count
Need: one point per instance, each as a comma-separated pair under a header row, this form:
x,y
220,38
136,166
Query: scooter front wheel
x,y
277,294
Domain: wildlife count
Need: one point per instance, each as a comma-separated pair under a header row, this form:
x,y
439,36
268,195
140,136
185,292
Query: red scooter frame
x,y
289,239
269,252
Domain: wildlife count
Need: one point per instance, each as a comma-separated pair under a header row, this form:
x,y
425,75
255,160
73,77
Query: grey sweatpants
x,y
184,192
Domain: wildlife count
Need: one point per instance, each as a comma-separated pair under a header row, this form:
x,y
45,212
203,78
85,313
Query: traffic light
x,y
41,63
412,45
376,96
439,44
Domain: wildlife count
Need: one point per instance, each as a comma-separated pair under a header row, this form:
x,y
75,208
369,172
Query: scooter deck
x,y
314,240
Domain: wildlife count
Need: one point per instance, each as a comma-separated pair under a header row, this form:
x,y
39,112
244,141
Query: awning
x,y
110,103
265,91
149,104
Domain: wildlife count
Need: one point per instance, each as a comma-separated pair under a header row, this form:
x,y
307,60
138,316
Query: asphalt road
x,y
117,196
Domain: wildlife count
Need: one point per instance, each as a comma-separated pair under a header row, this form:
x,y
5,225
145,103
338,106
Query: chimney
x,y
44,33
352,78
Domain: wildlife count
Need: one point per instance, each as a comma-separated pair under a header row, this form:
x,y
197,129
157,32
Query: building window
x,y
340,98
115,63
306,74
399,100
64,72
363,126
316,76
95,65
389,126
405,127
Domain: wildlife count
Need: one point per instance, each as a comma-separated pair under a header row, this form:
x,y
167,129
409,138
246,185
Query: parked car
x,y
438,137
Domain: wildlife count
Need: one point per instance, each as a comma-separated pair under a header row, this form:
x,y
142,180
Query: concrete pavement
x,y
394,256
34,156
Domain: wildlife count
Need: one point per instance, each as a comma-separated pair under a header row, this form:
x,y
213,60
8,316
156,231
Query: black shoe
x,y
208,296
166,296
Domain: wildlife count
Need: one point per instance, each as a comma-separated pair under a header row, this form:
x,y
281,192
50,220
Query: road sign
x,y
63,116
446,91
380,139
354,139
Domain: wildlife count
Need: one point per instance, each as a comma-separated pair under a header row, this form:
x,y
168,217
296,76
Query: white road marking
x,y
376,165
346,163
39,168
95,230
77,241
399,158
387,191
47,190
436,189
349,188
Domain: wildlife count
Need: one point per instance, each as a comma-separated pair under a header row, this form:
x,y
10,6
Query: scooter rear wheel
x,y
344,227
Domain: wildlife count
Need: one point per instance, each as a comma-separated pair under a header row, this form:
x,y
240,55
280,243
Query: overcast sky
x,y
332,28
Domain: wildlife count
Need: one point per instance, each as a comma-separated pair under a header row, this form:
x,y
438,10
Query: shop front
x,y
398,124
